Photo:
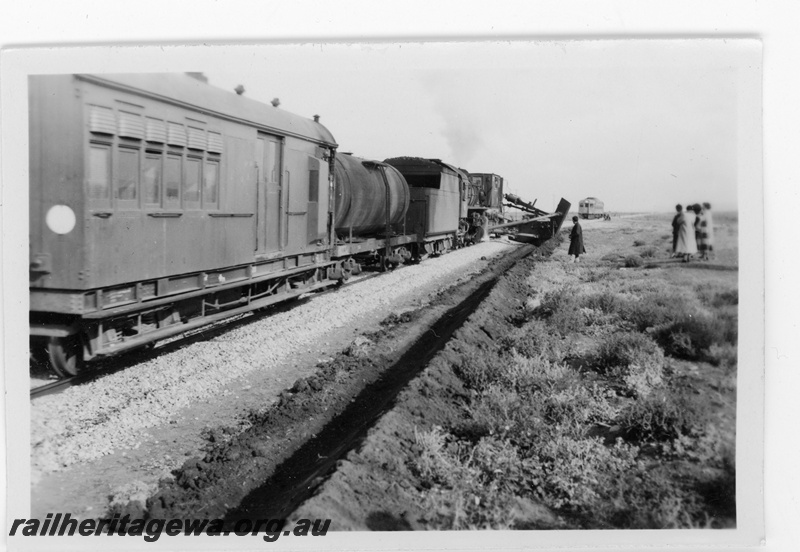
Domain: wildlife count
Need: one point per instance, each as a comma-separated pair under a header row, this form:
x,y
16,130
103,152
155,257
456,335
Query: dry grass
x,y
538,429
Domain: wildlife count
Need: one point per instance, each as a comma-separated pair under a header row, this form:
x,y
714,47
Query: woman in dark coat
x,y
576,241
676,225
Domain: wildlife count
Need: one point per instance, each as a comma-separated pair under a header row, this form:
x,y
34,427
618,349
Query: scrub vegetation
x,y
613,430
598,406
579,396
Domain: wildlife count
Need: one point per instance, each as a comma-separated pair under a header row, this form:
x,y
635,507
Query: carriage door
x,y
269,153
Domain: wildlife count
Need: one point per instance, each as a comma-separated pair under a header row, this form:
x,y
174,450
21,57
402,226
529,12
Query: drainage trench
x,y
296,479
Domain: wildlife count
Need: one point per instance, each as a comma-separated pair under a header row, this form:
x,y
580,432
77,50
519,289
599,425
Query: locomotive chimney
x,y
316,118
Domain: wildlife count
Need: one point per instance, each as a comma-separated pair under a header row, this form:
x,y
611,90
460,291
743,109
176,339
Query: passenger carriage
x,y
159,203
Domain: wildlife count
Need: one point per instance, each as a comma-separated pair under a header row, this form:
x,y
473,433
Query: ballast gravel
x,y
111,413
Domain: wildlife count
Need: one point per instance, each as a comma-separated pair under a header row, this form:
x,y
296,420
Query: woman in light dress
x,y
686,245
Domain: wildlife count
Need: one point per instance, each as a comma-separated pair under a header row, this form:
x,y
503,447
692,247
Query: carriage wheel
x,y
66,355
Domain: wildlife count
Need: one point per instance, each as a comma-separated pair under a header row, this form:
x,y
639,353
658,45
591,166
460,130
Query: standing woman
x,y
576,241
701,232
709,229
675,226
687,245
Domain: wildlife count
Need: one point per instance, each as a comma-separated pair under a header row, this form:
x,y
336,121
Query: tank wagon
x,y
590,208
371,200
159,204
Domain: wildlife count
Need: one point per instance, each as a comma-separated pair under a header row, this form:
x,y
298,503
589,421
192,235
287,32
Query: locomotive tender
x,y
159,204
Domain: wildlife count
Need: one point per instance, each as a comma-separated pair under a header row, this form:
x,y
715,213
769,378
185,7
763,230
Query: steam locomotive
x,y
159,204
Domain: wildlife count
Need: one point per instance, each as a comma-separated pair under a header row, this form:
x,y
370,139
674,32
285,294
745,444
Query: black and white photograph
x,y
494,292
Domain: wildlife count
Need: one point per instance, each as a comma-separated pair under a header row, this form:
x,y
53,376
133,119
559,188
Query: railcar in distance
x,y
159,204
590,208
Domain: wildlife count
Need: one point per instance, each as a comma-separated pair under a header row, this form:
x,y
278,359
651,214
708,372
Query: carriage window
x,y
99,172
313,185
210,183
172,181
191,183
273,162
152,179
127,174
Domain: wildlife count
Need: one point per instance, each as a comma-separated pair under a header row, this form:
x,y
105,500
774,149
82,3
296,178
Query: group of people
x,y
693,232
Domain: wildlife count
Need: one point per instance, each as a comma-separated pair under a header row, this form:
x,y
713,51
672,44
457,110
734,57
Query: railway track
x,y
112,365
51,388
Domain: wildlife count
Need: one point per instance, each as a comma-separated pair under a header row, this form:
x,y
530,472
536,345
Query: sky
x,y
640,124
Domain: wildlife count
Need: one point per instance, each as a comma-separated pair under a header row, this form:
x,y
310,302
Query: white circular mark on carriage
x,y
60,219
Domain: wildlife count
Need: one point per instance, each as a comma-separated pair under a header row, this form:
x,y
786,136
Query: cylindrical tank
x,y
360,195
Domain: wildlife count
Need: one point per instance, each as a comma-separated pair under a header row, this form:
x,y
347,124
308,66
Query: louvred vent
x,y
131,125
156,130
214,142
176,134
101,120
197,138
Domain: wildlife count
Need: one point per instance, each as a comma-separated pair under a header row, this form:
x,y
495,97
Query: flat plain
x,y
598,394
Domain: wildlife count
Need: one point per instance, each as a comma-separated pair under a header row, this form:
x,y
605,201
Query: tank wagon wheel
x,y
351,266
346,273
66,355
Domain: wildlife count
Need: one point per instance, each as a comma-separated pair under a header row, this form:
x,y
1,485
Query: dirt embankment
x,y
379,487
220,484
